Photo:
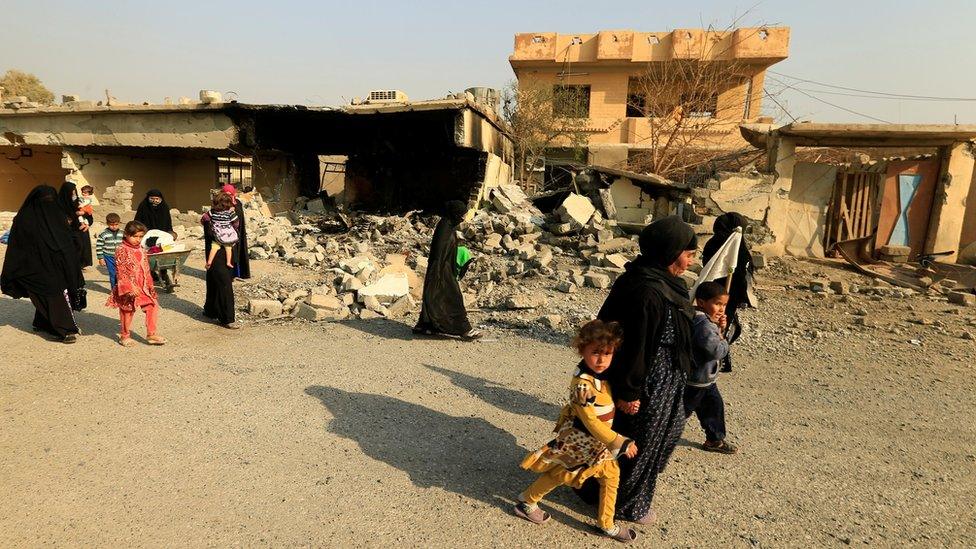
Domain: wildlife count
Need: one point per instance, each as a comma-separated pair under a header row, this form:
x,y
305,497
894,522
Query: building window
x,y
571,101
699,105
636,99
234,171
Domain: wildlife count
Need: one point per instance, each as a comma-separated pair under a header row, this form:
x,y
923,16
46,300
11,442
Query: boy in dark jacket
x,y
709,349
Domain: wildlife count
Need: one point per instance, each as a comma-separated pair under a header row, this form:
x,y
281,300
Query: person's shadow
x,y
465,455
500,396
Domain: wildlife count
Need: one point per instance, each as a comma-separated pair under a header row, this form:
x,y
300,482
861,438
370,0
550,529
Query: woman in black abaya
x,y
153,212
442,311
650,301
219,302
740,291
242,265
42,263
68,200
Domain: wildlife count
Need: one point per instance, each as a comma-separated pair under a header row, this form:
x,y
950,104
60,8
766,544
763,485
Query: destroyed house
x,y
902,207
394,157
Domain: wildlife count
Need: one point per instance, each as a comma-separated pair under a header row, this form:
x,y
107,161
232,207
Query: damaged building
x,y
383,154
902,207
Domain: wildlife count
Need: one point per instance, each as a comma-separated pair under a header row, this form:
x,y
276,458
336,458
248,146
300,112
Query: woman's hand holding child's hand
x,y
630,408
631,450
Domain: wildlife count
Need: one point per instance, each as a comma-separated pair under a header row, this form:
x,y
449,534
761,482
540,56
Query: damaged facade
x,y
906,207
396,157
604,69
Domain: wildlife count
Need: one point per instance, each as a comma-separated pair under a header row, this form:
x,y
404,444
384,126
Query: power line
x,y
836,106
899,95
778,104
879,96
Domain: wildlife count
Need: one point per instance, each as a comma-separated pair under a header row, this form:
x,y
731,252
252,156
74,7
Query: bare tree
x,y
690,104
542,117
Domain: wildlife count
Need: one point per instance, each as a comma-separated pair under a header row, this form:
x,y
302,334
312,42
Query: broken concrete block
x,y
373,304
544,257
577,279
353,265
551,321
962,298
819,285
304,259
561,228
508,243
567,287
501,203
328,302
526,252
210,96
758,260
597,280
615,260
387,288
264,307
526,300
840,287
401,306
367,314
575,210
493,241
308,312
351,284
616,245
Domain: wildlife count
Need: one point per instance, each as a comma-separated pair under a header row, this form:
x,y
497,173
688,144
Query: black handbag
x,y
79,301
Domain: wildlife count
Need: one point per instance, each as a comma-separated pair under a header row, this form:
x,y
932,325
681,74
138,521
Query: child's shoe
x,y
156,340
619,533
126,341
531,513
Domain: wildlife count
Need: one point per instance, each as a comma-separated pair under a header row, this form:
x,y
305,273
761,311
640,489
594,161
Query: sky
x,y
326,53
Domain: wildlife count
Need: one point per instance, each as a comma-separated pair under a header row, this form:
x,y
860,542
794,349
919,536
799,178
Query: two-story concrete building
x,y
606,70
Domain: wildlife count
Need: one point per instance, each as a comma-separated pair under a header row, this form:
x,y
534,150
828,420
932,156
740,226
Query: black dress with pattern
x,y
655,428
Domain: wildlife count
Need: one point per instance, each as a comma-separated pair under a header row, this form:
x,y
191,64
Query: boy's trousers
x,y
708,404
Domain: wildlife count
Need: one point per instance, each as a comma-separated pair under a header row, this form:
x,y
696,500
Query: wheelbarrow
x,y
166,267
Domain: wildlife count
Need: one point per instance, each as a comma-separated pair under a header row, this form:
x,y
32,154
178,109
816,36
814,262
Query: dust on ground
x,y
852,432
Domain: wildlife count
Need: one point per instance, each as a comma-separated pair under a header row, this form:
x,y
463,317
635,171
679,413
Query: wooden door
x,y
852,210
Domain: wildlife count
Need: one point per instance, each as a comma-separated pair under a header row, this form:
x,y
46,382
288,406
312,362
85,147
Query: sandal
x,y
536,516
721,447
623,535
156,340
126,342
471,335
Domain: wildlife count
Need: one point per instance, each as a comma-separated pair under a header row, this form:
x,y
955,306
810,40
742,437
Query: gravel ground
x,y
356,434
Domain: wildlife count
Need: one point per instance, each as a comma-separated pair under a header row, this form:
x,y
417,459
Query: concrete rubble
x,y
374,268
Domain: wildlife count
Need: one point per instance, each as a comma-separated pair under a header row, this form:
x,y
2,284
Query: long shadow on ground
x,y
465,455
500,396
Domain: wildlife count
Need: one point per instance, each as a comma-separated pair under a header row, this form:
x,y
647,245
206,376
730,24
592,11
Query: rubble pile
x,y
523,258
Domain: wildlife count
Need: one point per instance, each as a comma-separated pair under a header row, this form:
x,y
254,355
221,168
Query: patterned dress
x,y
656,429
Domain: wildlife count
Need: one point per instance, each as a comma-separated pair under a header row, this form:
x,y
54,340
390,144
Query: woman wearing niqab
x,y
42,263
68,200
442,310
741,290
647,376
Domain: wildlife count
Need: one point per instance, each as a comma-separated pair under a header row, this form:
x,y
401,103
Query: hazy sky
x,y
325,53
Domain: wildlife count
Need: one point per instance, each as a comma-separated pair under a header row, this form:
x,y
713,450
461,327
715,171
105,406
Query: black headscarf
x,y
41,257
154,216
661,242
68,199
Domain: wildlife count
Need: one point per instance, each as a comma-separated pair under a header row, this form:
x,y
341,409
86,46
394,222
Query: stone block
x,y
819,285
210,96
328,302
615,260
387,288
307,312
616,245
493,241
264,307
577,279
353,265
401,306
840,287
962,298
567,287
758,260
544,257
551,321
575,210
597,280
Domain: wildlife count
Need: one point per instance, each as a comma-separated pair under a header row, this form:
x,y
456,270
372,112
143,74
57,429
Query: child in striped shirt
x,y
106,243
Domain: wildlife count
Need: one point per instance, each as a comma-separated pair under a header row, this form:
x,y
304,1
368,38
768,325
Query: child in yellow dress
x,y
585,445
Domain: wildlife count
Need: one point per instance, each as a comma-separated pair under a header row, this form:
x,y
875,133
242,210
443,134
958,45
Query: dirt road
x,y
359,435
